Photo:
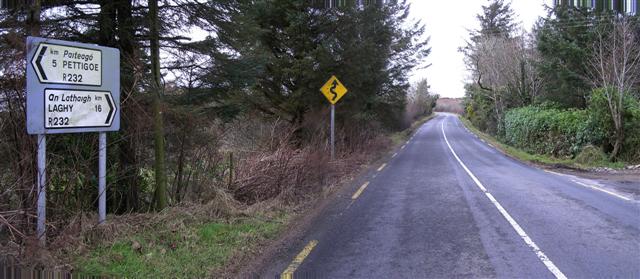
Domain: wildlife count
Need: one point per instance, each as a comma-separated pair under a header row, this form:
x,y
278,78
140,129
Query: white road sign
x,y
66,94
72,87
62,64
78,109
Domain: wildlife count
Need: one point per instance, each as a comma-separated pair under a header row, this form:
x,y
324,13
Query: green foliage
x,y
193,251
602,130
501,62
565,41
496,19
545,131
591,154
288,49
540,158
562,116
480,110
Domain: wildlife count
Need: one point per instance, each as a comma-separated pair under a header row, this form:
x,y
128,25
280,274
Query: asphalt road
x,y
449,205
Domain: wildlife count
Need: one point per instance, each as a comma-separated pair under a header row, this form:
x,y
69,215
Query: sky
x,y
449,30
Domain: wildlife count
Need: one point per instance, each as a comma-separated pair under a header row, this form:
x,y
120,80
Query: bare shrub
x,y
275,165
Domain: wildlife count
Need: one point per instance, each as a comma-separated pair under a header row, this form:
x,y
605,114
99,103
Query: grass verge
x,y
537,158
193,251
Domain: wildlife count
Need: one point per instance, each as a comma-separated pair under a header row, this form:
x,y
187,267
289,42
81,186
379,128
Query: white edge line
x,y
545,260
556,173
602,190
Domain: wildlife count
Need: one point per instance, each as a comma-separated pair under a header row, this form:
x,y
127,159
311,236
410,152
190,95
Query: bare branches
x,y
616,69
616,56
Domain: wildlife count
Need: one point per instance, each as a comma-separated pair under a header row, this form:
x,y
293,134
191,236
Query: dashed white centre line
x,y
394,155
534,247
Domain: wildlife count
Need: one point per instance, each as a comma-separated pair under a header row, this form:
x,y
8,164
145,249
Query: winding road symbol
x,y
333,90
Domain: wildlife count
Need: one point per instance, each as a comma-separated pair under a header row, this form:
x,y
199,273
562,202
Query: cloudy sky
x,y
449,29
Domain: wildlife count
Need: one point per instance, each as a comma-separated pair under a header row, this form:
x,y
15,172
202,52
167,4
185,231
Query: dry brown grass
x,y
277,167
291,172
81,232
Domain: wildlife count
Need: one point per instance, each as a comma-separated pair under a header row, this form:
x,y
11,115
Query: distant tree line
x,y
578,58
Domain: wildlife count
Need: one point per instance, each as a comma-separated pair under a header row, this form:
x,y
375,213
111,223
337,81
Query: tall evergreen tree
x,y
564,41
496,19
485,55
290,48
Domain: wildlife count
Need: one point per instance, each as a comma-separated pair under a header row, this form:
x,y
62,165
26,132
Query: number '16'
x,y
99,108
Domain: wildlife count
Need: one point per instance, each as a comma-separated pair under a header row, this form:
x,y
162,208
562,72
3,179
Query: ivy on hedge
x,y
546,130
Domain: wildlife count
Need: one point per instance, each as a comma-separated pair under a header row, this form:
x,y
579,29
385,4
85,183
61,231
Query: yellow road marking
x,y
382,167
359,192
297,261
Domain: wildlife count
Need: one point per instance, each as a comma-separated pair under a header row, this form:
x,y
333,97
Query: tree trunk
x,y
33,19
128,147
28,148
619,134
106,23
180,172
158,126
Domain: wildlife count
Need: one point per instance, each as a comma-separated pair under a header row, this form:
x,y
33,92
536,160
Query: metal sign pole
x,y
42,189
333,136
102,177
71,88
334,91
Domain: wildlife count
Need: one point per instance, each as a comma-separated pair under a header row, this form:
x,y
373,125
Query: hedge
x,y
546,130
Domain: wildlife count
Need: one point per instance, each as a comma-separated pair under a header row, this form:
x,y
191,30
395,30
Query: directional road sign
x,y
72,87
333,90
64,64
78,108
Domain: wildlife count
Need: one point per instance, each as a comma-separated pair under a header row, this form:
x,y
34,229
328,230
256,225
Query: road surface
x,y
448,205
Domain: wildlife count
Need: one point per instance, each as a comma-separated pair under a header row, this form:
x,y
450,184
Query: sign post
x,y
71,88
333,131
42,188
102,177
333,90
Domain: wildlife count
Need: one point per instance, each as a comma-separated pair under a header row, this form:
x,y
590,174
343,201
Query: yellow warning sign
x,y
333,90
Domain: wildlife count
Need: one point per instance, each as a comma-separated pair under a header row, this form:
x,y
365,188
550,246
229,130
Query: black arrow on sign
x,y
110,108
42,53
